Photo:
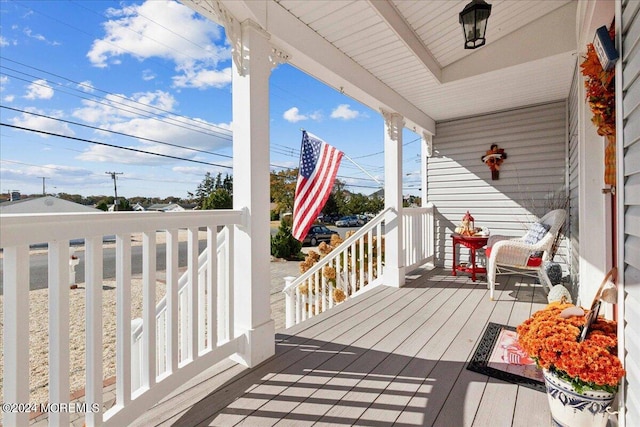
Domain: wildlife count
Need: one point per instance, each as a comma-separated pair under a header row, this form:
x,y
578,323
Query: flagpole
x,y
357,165
361,168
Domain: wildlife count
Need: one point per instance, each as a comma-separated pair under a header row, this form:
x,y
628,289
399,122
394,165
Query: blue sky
x,y
153,77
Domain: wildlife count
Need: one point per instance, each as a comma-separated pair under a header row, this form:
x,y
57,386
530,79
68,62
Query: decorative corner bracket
x,y
394,123
428,139
277,57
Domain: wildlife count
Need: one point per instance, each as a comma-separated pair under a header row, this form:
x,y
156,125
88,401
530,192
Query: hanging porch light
x,y
474,19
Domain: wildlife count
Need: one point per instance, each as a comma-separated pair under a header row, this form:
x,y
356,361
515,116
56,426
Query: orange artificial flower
x,y
552,342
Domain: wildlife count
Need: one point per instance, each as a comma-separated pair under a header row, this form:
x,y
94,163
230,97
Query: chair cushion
x,y
534,235
533,261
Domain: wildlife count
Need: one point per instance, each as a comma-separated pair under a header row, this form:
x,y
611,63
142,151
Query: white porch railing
x,y
358,264
197,334
162,312
419,239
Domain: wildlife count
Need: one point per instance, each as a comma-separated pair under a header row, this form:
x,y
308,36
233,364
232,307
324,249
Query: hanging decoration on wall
x,y
601,96
494,158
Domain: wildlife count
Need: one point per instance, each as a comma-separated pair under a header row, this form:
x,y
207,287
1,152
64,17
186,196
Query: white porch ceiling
x,y
408,56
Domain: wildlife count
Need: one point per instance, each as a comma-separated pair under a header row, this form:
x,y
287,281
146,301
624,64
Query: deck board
x,y
389,357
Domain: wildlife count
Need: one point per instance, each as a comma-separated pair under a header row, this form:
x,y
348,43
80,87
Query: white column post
x,y
251,70
394,269
426,152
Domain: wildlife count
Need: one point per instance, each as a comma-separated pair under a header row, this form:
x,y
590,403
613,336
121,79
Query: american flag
x,y
319,164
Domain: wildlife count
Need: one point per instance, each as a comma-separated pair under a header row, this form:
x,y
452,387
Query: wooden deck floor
x,y
389,357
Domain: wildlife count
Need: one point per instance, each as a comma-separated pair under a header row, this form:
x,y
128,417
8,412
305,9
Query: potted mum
x,y
581,376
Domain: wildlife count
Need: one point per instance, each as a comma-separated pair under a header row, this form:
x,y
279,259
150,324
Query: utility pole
x,y
115,188
44,193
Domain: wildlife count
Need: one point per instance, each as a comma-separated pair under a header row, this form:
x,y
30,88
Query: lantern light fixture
x,y
474,19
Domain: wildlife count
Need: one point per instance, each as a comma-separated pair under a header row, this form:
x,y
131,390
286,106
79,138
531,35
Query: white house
x,y
45,204
523,90
166,207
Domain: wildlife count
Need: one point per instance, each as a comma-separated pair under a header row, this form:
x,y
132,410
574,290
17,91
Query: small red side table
x,y
473,243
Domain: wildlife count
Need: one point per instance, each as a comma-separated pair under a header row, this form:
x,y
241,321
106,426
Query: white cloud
x,y
30,121
141,31
316,115
3,41
29,33
86,86
121,114
344,112
202,79
39,89
9,98
148,75
116,108
293,115
200,171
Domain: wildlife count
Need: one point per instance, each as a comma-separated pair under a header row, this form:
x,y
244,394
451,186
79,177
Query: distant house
x,y
138,207
166,207
45,204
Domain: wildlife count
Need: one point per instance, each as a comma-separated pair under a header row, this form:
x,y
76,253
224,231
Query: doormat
x,y
499,355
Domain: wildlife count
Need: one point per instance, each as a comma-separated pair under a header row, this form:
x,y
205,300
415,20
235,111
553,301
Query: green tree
x,y
214,193
357,204
219,199
375,205
283,188
124,205
284,245
205,188
102,205
341,196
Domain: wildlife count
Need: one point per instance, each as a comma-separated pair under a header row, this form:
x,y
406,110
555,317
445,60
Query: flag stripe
x,y
317,185
319,163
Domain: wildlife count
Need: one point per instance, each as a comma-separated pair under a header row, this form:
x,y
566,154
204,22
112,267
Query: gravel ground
x,y
39,335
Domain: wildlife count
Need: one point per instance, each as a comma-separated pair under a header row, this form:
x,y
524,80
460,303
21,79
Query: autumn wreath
x,y
601,96
553,342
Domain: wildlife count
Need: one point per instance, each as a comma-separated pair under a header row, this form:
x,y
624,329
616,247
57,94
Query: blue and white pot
x,y
572,409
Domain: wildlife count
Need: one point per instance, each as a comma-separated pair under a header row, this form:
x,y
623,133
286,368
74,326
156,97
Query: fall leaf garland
x,y
600,85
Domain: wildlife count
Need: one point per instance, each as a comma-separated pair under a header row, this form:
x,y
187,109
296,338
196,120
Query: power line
x,y
114,146
131,108
116,132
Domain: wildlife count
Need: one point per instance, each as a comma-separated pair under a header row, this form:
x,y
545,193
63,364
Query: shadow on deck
x,y
388,357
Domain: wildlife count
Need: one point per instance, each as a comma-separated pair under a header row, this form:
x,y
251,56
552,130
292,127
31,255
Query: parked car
x,y
363,219
318,233
348,221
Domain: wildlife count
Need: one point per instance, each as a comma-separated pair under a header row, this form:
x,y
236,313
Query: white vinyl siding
x,y
535,141
574,181
631,197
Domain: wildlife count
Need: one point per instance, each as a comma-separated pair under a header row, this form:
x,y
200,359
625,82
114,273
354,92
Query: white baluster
x,y
172,299
192,265
123,320
15,329
290,302
93,304
212,287
149,308
59,328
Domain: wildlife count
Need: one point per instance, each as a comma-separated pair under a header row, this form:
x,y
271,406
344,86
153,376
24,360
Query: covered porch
x,y
390,356
396,352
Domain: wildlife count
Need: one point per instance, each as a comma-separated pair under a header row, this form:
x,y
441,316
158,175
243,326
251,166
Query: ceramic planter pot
x,y
572,409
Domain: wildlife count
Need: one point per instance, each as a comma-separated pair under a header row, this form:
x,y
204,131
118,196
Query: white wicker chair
x,y
512,255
